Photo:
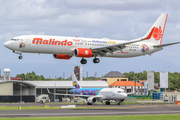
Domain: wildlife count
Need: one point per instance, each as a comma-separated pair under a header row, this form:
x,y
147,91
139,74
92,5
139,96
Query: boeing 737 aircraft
x,y
66,47
94,94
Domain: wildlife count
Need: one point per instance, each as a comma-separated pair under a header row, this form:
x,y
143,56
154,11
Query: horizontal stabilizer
x,y
164,45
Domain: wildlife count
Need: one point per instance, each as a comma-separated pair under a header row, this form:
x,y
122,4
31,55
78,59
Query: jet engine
x,y
83,52
91,100
61,56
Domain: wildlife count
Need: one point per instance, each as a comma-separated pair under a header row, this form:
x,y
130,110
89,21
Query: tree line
x,y
174,78
31,76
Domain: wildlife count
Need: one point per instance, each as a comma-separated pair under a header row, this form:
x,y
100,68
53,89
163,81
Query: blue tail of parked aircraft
x,y
74,81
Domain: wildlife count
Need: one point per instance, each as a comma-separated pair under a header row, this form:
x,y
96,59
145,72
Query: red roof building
x,y
125,83
128,86
16,78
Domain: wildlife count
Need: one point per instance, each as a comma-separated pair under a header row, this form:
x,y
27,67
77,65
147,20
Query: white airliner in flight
x,y
94,94
66,47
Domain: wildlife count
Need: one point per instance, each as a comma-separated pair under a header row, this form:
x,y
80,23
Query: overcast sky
x,y
113,19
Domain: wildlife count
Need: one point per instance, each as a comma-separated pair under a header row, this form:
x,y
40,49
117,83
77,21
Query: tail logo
x,y
157,34
75,84
145,48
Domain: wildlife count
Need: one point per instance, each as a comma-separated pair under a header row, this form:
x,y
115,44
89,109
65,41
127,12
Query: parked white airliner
x,y
66,47
94,94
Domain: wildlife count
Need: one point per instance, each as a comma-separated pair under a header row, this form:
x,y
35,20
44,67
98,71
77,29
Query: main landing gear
x,y
95,60
89,103
108,103
83,61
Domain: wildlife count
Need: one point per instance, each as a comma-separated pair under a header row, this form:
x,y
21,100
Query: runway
x,y
146,110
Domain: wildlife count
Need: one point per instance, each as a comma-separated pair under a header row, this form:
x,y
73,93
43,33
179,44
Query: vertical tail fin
x,y
155,33
74,81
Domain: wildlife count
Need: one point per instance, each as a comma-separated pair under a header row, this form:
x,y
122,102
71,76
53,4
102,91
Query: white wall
x,y
6,88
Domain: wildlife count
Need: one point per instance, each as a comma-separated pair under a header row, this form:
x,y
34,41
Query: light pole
x,y
135,78
21,92
169,80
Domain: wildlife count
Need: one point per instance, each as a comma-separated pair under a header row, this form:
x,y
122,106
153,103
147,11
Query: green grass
x,y
123,117
4,107
58,107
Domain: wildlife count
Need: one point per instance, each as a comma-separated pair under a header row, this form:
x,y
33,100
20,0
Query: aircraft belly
x,y
106,95
124,54
130,53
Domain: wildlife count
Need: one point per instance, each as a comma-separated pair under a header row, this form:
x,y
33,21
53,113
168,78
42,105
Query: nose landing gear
x,y
108,103
18,52
20,57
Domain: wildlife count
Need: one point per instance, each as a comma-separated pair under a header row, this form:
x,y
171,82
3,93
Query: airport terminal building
x,y
12,90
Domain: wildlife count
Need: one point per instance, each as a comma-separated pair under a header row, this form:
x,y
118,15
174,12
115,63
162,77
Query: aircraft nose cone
x,y
7,44
124,95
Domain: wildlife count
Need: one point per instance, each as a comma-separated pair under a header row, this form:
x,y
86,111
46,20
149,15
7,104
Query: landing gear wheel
x,y
96,60
41,102
89,103
108,103
20,57
83,61
118,103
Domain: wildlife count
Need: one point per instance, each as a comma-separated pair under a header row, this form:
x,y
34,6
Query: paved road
x,y
135,110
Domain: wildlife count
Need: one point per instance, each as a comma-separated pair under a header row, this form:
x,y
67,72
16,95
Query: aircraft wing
x,y
164,45
111,48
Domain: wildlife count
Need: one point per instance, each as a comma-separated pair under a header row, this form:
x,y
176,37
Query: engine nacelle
x,y
83,52
91,100
61,56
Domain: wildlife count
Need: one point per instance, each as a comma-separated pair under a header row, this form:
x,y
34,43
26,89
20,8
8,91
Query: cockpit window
x,y
15,39
121,92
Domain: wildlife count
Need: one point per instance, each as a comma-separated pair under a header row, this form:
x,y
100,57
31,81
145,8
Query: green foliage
x,y
174,78
120,117
130,75
33,77
91,78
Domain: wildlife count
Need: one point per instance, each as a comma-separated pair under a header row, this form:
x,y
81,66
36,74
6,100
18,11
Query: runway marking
x,y
107,113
